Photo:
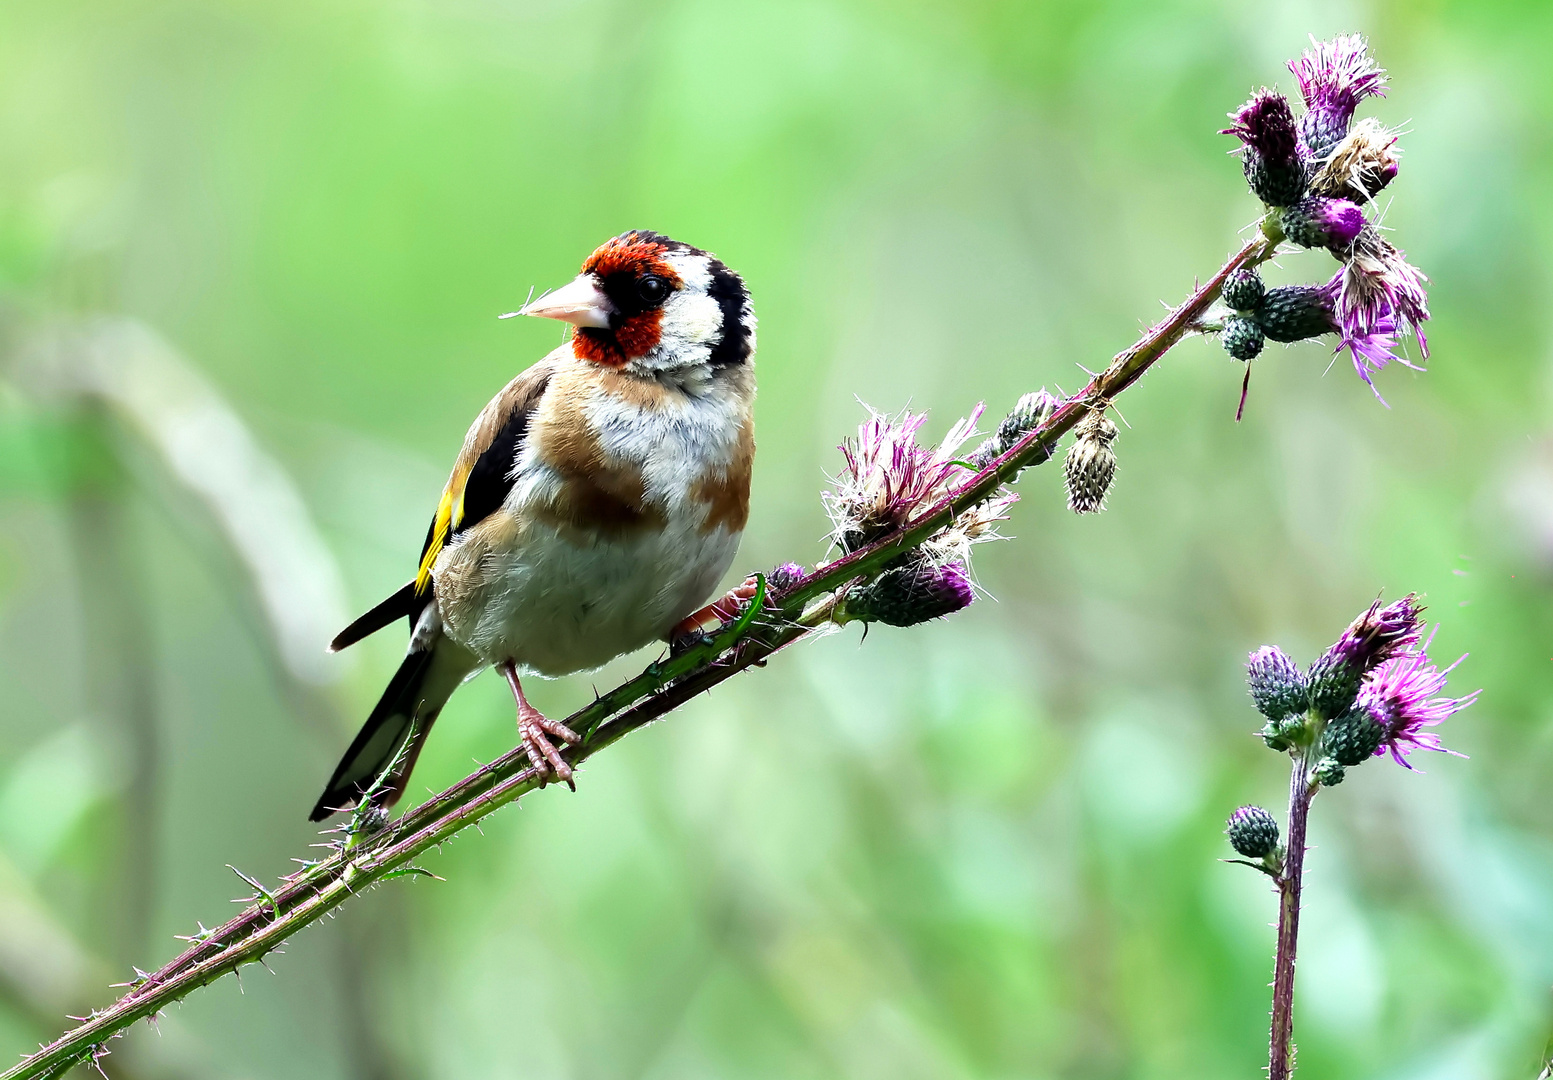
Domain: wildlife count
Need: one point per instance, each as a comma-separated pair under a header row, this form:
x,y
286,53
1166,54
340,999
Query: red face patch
x,y
620,266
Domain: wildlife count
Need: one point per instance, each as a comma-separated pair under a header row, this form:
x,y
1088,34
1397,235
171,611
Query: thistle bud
x,y
1329,773
1253,832
1323,222
785,576
1334,683
1243,290
1029,413
1091,463
1295,312
1272,163
1352,738
910,593
1242,338
1277,687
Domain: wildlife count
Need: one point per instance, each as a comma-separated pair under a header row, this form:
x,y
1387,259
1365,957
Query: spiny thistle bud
x,y
1091,463
1318,221
910,593
1377,635
1329,773
1253,832
1242,338
1284,734
1243,290
1029,413
1352,737
1334,684
1295,312
1362,164
1277,687
785,576
1272,163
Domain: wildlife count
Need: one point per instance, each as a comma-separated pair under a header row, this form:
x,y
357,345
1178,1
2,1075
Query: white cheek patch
x,y
691,318
691,322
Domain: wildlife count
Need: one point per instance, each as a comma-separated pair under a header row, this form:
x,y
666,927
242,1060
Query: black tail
x,y
404,603
405,711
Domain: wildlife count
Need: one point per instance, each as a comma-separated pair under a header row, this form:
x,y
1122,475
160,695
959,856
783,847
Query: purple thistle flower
x,y
1372,346
1334,76
1266,125
1316,221
1380,633
914,592
1272,163
785,576
1403,696
1376,636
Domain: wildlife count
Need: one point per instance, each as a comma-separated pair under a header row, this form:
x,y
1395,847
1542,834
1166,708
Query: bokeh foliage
x,y
984,848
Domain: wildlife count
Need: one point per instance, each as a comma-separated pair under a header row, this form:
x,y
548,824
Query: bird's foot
x,y
694,629
536,729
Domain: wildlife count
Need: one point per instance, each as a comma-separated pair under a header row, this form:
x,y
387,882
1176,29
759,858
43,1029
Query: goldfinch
x,y
596,502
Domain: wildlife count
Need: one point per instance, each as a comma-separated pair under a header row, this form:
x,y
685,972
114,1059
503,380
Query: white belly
x,y
553,607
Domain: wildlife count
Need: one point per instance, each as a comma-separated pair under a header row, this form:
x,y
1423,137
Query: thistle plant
x,y
1374,692
907,516
1318,175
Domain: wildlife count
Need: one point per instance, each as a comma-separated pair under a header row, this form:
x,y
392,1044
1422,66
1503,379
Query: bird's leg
x,y
533,727
692,629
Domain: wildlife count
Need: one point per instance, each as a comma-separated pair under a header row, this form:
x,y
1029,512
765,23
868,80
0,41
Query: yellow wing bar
x,y
450,513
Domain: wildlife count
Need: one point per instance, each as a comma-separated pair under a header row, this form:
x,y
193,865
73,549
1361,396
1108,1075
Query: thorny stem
x,y
1302,789
797,612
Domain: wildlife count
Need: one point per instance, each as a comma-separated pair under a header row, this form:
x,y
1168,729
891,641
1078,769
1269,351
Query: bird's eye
x,y
652,288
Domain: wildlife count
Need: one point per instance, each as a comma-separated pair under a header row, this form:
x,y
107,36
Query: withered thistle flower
x,y
1378,285
889,477
1091,463
1361,165
1376,636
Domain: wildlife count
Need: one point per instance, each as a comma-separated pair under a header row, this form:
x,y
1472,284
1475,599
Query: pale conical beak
x,y
580,302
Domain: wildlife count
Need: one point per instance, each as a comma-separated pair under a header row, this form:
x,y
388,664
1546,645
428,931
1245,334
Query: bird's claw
x,y
536,730
700,627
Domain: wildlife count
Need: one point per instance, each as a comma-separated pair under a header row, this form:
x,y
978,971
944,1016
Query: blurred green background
x,y
250,259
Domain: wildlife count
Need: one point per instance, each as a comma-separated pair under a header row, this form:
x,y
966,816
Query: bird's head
x,y
654,306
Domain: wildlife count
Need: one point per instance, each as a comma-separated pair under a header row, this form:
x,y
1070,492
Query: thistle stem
x,y
1302,790
795,613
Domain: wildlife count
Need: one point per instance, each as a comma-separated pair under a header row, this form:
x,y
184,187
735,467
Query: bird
x,y
598,500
